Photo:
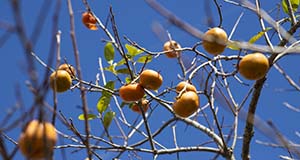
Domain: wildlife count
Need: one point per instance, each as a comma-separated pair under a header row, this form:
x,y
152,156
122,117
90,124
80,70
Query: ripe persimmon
x,y
150,79
37,140
254,66
144,104
60,81
186,104
183,85
89,21
69,68
131,92
214,41
170,47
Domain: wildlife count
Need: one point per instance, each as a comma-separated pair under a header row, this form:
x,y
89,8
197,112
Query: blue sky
x,y
136,20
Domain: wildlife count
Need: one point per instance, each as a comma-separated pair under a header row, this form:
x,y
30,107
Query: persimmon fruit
x,y
170,47
186,104
37,140
144,104
89,21
151,79
131,92
214,41
69,68
253,66
185,86
60,81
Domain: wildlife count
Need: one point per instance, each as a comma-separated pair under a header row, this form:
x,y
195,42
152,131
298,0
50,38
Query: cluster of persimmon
x,y
89,20
133,92
61,79
252,67
187,100
37,140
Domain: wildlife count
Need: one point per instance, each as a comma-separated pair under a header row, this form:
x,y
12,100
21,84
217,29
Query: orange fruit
x,y
69,68
60,81
186,86
170,46
214,41
150,79
254,66
131,92
186,104
144,104
89,21
37,140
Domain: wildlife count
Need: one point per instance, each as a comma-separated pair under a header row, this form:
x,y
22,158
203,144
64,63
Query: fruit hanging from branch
x,y
254,66
37,140
214,41
170,47
151,79
60,81
131,92
186,104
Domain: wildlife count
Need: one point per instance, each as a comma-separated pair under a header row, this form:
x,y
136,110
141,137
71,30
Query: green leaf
x,y
258,35
104,100
233,46
123,71
108,117
111,68
295,5
90,117
109,52
109,85
103,103
145,59
121,62
133,51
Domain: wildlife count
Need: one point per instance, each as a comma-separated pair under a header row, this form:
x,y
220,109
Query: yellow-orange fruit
x,y
170,46
89,21
37,140
150,79
60,81
254,66
214,41
69,68
131,92
144,104
186,104
183,85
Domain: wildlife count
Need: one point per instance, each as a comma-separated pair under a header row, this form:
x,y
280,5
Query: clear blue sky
x,y
136,19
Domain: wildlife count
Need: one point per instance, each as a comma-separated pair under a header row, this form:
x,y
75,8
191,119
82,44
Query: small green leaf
x,y
295,5
109,85
123,71
109,52
121,62
145,59
127,80
104,100
103,103
90,117
111,68
258,35
233,46
133,51
108,117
